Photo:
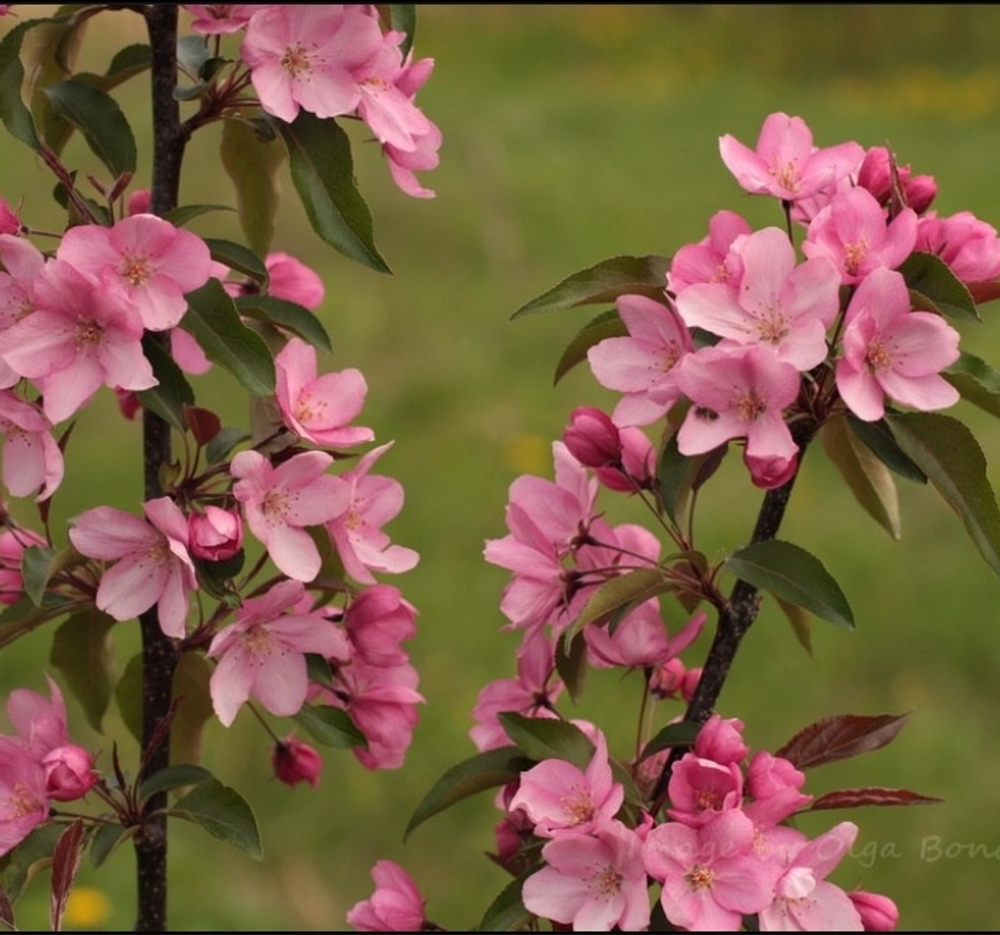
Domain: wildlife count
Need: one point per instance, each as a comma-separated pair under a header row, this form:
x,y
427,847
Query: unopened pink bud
x,y
139,201
920,191
721,740
295,761
69,772
638,463
691,679
878,913
216,534
667,679
592,438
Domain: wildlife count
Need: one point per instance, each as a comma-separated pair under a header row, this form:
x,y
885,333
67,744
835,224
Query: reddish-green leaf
x,y
507,912
631,588
204,423
840,737
945,450
794,575
65,863
604,282
546,738
606,325
870,795
476,774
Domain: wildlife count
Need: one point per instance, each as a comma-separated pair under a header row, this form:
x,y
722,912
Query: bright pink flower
x,y
721,740
40,722
768,775
559,797
852,232
700,790
291,280
13,541
295,761
214,19
878,913
377,621
968,245
642,365
69,772
139,201
319,408
804,901
892,351
710,876
306,57
711,259
592,438
640,639
785,163
280,502
81,336
875,174
152,564
10,223
593,882
395,906
215,535
423,152
149,260
23,261
373,501
263,652
638,463
32,461
24,801
187,353
738,392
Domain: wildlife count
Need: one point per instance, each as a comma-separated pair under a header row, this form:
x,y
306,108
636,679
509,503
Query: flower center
x,y
308,408
296,60
607,881
750,407
854,256
275,506
578,806
700,878
135,268
88,333
787,176
772,327
878,355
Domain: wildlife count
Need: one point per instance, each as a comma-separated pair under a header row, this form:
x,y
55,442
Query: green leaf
x,y
947,453
213,320
935,288
36,569
183,214
679,734
800,621
128,696
606,325
287,315
223,813
878,437
169,397
127,62
19,865
628,589
106,839
545,738
192,54
678,475
319,154
252,165
604,282
237,257
49,55
476,774
194,709
223,443
402,17
507,913
101,121
15,116
794,575
24,615
571,663
977,381
331,726
867,477
172,777
83,651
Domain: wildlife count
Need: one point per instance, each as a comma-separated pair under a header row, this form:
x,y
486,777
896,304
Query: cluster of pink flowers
x,y
334,60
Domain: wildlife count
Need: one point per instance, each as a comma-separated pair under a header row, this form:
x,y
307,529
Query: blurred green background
x,y
571,134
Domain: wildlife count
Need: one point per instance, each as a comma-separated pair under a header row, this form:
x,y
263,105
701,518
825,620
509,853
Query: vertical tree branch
x,y
159,657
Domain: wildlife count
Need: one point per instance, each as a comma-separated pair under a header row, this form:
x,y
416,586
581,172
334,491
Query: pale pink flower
x,y
290,279
307,56
968,245
640,639
295,761
152,564
149,260
215,534
319,408
23,261
187,353
853,232
215,19
373,500
40,722
280,502
81,336
263,652
785,163
24,802
711,259
777,303
395,906
593,882
13,541
422,155
32,461
710,876
642,365
892,351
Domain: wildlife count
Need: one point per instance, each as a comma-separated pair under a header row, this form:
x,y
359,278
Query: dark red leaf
x,y
6,911
204,423
870,795
984,291
65,863
840,737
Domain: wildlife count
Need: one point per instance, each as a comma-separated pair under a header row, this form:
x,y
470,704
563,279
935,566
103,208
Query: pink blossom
x,y
187,353
852,232
290,279
785,163
40,722
13,541
710,877
422,154
395,906
642,365
700,789
768,774
559,797
139,201
23,262
214,19
640,639
69,772
306,57
152,262
373,501
32,461
319,408
638,463
216,535
878,913
280,502
721,740
593,882
777,303
295,761
377,621
10,223
875,174
81,336
711,259
592,438
152,564
968,245
263,652
24,801
892,351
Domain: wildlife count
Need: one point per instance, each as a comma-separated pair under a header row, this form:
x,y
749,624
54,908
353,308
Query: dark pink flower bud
x,y
128,403
69,772
139,201
691,679
878,913
721,740
638,462
667,679
295,761
216,534
770,472
10,223
592,438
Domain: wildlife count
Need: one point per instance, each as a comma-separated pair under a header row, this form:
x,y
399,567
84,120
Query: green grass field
x,y
573,134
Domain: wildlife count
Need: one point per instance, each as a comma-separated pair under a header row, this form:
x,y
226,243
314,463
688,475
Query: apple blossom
x,y
290,279
13,541
711,259
24,802
395,906
215,534
295,761
878,913
968,245
32,461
